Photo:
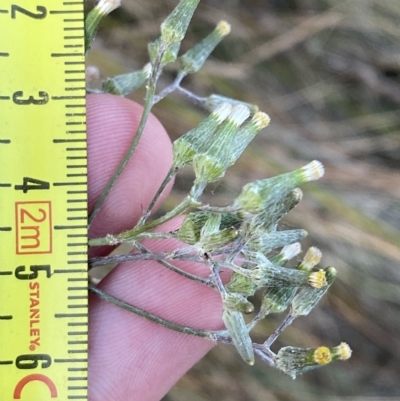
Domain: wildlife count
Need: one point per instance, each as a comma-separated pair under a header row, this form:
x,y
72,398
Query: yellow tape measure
x,y
43,201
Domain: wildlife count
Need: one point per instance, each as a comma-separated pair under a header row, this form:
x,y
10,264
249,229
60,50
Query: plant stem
x,y
129,153
271,339
149,316
169,89
131,234
135,257
177,270
194,98
165,182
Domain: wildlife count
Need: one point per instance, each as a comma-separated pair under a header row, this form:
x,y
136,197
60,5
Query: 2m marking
x,y
33,227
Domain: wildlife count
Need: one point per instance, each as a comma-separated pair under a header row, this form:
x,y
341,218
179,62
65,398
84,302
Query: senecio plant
x,y
243,236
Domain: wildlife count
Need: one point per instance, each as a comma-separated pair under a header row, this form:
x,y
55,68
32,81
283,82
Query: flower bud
x,y
268,274
211,237
197,139
288,252
239,333
93,19
161,54
277,299
341,353
174,28
127,83
311,259
246,134
308,297
259,195
194,58
242,285
213,101
237,302
190,230
268,218
294,361
212,164
265,243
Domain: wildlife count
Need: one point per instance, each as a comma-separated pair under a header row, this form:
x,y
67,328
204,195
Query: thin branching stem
x,y
271,339
192,97
149,316
175,269
169,89
171,173
128,154
128,235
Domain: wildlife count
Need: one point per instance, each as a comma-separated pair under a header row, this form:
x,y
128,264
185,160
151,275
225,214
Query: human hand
x,y
131,358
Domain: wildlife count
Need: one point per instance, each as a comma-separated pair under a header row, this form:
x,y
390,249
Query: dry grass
x,y
328,73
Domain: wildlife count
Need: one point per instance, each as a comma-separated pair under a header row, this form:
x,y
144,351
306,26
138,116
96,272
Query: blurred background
x,y
328,74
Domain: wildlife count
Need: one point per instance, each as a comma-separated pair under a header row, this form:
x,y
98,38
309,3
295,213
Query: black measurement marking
x,y
76,192
77,253
5,228
62,271
80,131
76,351
6,273
69,315
74,89
67,97
77,306
77,297
76,235
6,362
65,11
77,218
74,71
6,317
74,19
76,378
77,175
74,63
3,11
72,46
77,333
62,184
77,397
77,262
74,37
75,114
69,227
68,140
68,3
78,342
77,279
77,387
76,209
77,369
77,201
5,97
73,28
3,54
72,360
77,324
4,185
5,141
67,54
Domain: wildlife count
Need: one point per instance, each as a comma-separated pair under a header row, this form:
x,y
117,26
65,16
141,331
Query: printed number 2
x,y
41,12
